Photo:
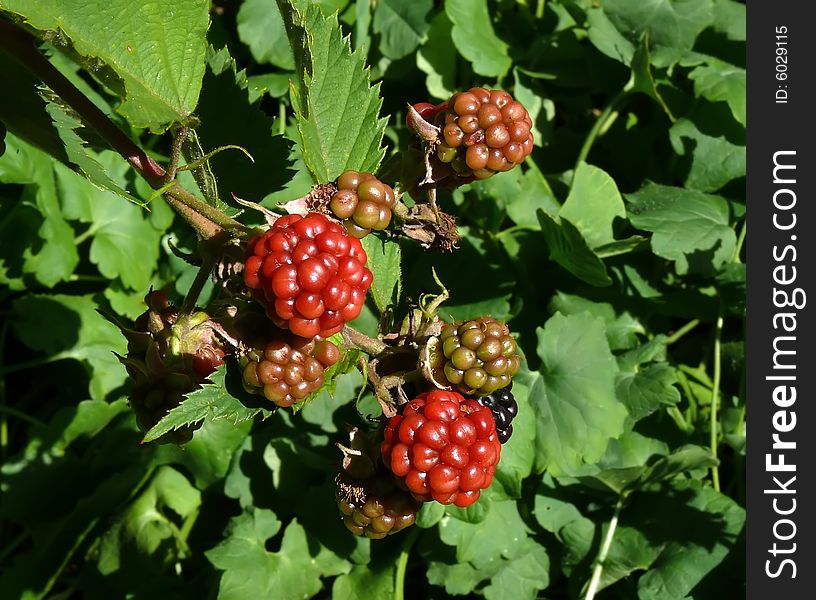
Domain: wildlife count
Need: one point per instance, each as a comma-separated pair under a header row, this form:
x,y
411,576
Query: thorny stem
x,y
20,45
402,564
175,152
604,551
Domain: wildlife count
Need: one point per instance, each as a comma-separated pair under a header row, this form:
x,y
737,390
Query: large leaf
x,y
573,395
690,228
401,25
69,327
260,26
714,160
335,105
672,25
717,80
251,571
150,53
475,38
570,250
593,204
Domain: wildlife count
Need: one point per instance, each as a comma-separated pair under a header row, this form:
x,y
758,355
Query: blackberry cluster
x,y
287,371
363,203
485,131
375,508
308,273
504,408
169,355
442,447
476,357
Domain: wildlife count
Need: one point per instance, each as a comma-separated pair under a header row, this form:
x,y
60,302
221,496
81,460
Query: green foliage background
x,y
614,253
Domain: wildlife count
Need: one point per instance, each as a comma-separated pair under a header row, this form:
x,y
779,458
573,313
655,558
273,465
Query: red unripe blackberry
x,y
442,447
475,357
308,273
286,371
486,130
362,202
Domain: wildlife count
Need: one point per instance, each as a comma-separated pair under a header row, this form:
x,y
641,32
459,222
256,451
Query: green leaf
x,y
689,227
717,80
729,18
401,25
147,524
66,125
593,204
150,53
569,249
714,162
606,38
363,583
703,530
573,395
335,106
475,39
522,577
37,240
121,230
684,459
213,401
437,58
260,26
642,79
228,117
384,261
672,25
621,329
251,571
69,327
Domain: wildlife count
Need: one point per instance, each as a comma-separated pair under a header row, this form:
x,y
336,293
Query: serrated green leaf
x,y
384,258
717,80
69,327
593,204
606,38
37,240
704,529
335,105
213,401
150,53
363,583
251,571
672,25
714,160
260,26
553,513
475,38
573,395
401,25
437,58
523,576
729,18
689,227
569,249
120,229
621,329
686,458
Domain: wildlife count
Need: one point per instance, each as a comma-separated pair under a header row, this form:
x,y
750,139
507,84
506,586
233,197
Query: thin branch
x,y
604,552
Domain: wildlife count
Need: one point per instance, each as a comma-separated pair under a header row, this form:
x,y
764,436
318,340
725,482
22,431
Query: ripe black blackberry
x,y
504,408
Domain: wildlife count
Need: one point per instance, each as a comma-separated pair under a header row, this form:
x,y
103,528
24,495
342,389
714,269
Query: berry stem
x,y
604,552
715,401
363,342
402,564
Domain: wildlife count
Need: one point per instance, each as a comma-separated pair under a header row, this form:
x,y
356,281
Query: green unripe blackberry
x,y
362,202
476,357
287,370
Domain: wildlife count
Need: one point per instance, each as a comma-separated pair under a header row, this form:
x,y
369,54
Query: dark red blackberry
x,y
287,370
485,131
375,507
504,408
